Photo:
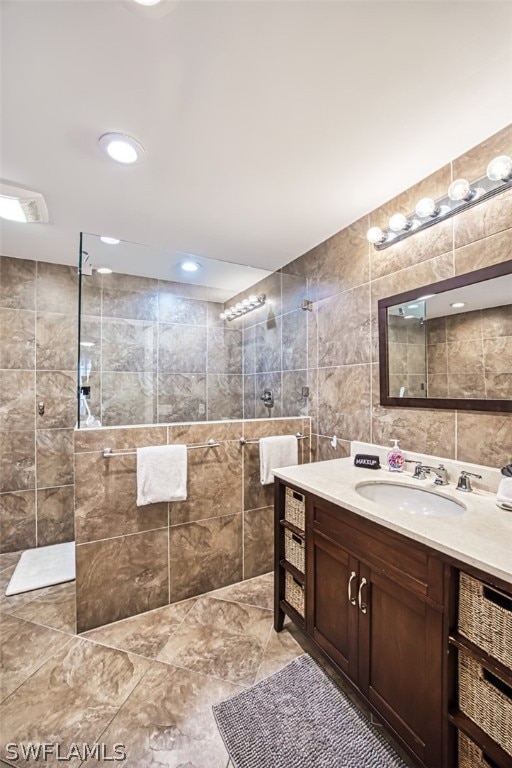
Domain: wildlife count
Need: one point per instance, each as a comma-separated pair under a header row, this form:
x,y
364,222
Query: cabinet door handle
x,y
349,588
362,606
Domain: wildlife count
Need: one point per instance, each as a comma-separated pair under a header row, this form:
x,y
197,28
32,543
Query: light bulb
x,y
398,223
500,169
239,305
460,189
246,302
222,316
122,148
426,207
375,235
253,299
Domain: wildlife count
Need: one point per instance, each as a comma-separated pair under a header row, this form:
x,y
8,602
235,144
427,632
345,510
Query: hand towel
x,y
276,452
504,495
161,474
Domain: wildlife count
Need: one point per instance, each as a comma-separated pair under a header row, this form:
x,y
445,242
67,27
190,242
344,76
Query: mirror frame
x,y
459,404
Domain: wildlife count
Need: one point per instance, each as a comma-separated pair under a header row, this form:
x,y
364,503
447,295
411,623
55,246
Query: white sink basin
x,y
416,501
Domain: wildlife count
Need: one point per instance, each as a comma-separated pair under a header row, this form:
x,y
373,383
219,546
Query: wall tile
x,y
205,555
256,495
294,403
181,397
106,499
465,356
119,438
128,398
295,340
17,283
258,542
224,350
344,328
249,397
57,288
345,260
224,396
54,451
498,354
472,164
486,219
181,349
130,297
323,450
483,253
56,341
490,444
55,515
249,350
17,521
139,582
57,390
17,460
267,341
128,345
498,386
464,385
497,321
200,433
273,381
350,386
17,390
17,339
464,326
178,310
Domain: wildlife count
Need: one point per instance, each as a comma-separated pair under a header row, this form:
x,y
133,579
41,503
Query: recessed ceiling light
x,y
190,266
122,148
147,2
458,304
110,240
104,270
22,205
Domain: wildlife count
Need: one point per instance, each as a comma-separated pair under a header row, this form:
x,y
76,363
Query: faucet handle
x,y
464,483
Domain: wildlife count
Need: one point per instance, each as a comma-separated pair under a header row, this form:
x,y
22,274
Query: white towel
x,y
504,495
161,474
276,452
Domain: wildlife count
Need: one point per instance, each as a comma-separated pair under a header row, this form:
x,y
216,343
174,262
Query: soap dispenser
x,y
395,458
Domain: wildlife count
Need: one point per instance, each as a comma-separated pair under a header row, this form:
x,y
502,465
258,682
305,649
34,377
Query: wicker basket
x,y
486,700
294,594
294,550
485,618
470,756
294,509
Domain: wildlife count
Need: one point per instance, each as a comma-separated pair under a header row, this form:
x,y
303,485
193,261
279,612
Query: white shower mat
x,y
43,567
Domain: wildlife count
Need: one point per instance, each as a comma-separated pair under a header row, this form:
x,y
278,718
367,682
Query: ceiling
x,y
268,126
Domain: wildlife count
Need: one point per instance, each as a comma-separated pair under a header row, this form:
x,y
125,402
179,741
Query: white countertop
x,y
481,536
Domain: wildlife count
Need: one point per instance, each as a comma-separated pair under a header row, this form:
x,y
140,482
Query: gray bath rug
x,y
299,718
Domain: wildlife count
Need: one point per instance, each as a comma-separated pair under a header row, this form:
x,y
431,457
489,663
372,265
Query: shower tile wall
x,y
160,354
38,316
131,559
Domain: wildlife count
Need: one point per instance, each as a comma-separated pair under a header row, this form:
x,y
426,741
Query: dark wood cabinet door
x,y
400,661
332,615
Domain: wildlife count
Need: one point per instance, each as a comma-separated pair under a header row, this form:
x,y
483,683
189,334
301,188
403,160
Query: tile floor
x,y
147,682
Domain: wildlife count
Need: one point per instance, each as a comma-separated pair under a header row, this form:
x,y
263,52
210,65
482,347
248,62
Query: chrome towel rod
x,y
244,441
107,452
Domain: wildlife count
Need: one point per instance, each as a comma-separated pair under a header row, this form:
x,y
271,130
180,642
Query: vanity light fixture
x,y
462,194
121,148
242,307
109,240
189,266
458,304
104,270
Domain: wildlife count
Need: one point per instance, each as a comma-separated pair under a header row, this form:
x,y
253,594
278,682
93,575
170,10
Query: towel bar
x,y
244,441
107,452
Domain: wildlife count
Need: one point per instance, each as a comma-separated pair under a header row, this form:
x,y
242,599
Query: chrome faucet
x,y
464,483
441,473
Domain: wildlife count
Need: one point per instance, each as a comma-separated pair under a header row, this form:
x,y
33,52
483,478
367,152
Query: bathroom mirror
x,y
449,344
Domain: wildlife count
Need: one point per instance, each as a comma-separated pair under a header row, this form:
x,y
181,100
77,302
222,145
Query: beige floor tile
x,y
145,634
71,698
24,647
8,559
168,721
281,648
222,639
258,591
55,607
10,604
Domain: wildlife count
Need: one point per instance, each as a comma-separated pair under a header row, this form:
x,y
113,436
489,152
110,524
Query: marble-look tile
x,y
498,386
483,220
168,720
344,402
224,350
269,426
281,649
436,330
214,485
498,355
57,288
267,345
17,339
397,358
17,283
183,311
464,385
17,460
224,396
249,350
106,499
181,397
220,638
200,433
73,697
416,362
181,348
312,322
17,391
345,260
497,321
213,311
473,164
437,360
91,292
7,560
294,402
344,328
119,439
54,607
490,446
465,356
55,516
205,555
482,253
396,382
128,345
145,634
258,542
90,334
271,380
128,398
56,341
17,521
138,582
129,296
323,450
57,390
295,340
464,326
256,495
249,396
437,385
416,385
294,286
255,591
24,648
54,452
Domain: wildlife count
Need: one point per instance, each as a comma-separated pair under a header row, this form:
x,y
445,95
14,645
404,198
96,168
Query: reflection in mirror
x,y
451,341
